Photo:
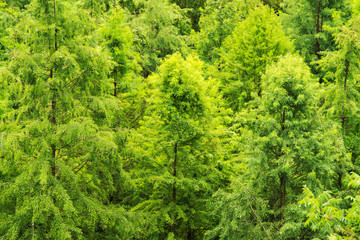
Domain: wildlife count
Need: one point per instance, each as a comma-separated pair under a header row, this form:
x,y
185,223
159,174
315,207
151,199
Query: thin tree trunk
x,y
282,175
53,101
343,117
283,119
55,40
92,8
174,187
282,194
339,180
318,29
115,83
347,65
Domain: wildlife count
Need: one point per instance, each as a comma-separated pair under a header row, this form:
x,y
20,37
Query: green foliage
x,y
17,3
275,4
341,100
119,41
177,172
180,99
218,21
107,130
193,10
334,217
306,20
8,18
286,144
287,125
158,31
255,43
241,215
59,161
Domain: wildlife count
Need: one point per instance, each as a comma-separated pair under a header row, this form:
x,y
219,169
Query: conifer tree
x,y
341,68
217,22
306,20
333,214
287,145
20,4
193,10
256,42
159,29
125,74
59,161
8,18
177,173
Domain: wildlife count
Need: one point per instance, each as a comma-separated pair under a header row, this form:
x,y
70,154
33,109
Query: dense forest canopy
x,y
177,119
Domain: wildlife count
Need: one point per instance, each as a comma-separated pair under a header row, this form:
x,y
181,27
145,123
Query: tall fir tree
x,y
159,29
59,159
341,100
176,169
8,18
256,42
287,144
218,20
125,75
193,10
306,20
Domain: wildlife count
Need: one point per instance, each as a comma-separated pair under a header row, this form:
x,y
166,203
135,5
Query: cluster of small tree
x,y
174,119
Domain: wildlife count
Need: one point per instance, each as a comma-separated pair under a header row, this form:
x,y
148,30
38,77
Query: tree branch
x,y
6,183
258,218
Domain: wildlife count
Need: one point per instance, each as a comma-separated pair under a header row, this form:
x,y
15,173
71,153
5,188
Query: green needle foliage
x,y
218,21
256,42
334,218
179,119
159,29
335,215
287,144
193,10
117,38
306,20
342,96
179,151
119,41
8,18
58,156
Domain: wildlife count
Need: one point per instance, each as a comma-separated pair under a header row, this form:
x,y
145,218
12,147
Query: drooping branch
x,y
256,215
6,183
